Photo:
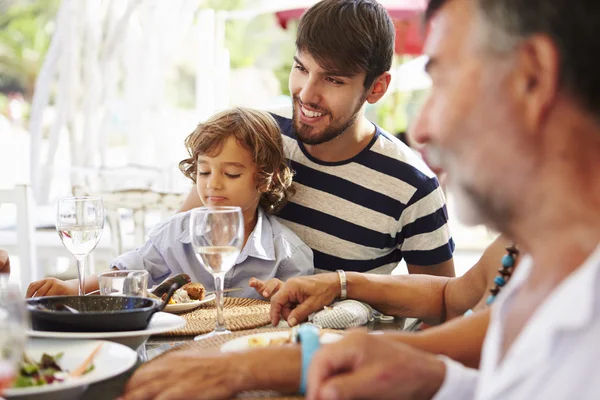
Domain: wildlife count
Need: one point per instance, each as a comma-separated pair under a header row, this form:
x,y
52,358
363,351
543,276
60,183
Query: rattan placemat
x,y
215,343
240,314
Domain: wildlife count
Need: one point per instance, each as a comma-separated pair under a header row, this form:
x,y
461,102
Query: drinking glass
x,y
13,323
79,222
124,283
217,238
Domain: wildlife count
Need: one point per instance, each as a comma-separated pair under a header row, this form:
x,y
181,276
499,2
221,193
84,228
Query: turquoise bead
x,y
490,300
508,261
499,281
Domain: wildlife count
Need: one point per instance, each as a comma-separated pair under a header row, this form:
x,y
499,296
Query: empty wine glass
x,y
79,222
13,322
217,237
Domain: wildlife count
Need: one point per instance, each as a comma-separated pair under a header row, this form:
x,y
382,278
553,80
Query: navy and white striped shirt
x,y
368,212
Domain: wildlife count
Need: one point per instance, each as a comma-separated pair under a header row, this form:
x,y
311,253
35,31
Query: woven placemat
x,y
240,314
215,343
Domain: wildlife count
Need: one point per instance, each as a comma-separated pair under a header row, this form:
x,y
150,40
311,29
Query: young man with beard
x,y
364,200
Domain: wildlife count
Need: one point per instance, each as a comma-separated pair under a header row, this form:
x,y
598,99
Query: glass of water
x,y
124,283
217,237
79,222
13,323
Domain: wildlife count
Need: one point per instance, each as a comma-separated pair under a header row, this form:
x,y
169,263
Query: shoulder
x,y
170,229
283,237
285,124
389,156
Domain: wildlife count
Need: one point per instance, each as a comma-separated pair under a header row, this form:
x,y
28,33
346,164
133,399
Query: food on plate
x,y
189,293
258,341
162,289
48,370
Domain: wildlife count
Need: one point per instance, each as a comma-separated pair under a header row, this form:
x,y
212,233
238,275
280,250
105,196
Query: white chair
x,y
24,246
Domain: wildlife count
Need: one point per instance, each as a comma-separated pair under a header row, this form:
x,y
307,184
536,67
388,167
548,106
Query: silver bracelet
x,y
343,284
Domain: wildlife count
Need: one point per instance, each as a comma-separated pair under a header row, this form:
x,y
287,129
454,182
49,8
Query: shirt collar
x,y
569,308
259,244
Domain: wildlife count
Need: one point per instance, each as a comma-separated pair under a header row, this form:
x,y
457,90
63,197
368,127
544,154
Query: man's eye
x,y
335,81
300,68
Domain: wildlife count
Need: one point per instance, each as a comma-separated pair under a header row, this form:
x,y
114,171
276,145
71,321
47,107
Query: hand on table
x,y
266,289
369,366
299,297
52,287
186,375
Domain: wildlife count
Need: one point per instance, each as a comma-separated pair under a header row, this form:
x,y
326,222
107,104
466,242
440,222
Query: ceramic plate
x,y
161,322
242,343
183,307
112,359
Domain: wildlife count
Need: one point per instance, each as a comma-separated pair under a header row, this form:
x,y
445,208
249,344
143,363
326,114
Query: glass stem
x,y
81,274
219,286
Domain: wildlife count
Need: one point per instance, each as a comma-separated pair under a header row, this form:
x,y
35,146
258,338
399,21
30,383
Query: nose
x,y
214,182
310,93
420,130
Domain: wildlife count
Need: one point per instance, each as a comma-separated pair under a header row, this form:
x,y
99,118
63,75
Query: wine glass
x,y
13,323
217,238
79,222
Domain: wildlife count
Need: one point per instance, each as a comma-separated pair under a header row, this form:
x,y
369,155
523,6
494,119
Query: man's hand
x,y
53,287
368,366
265,289
299,297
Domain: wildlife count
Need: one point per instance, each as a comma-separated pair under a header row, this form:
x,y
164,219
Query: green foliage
x,y
25,32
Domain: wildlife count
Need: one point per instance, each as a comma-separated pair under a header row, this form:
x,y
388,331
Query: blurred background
x,y
97,96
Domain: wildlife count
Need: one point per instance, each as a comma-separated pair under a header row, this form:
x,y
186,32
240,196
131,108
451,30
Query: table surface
x,y
112,388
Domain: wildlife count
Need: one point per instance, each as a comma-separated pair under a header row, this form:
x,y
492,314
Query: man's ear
x,y
379,87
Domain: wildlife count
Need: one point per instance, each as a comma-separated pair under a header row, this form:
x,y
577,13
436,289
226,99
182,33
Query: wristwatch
x,y
343,284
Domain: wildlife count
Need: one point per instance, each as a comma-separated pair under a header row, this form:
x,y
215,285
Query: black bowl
x,y
94,313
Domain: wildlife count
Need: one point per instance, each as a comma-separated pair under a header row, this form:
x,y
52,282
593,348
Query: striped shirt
x,y
369,212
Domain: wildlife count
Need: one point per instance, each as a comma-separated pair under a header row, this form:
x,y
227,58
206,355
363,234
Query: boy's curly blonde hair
x,y
257,132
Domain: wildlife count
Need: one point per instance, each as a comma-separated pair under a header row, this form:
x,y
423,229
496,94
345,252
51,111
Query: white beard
x,y
467,209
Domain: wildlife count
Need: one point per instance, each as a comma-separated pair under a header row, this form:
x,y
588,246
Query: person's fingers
x,y
257,284
278,302
33,288
207,392
44,289
271,287
355,384
303,310
146,391
328,361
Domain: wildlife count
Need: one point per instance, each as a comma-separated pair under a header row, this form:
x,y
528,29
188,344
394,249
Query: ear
x,y
379,87
538,79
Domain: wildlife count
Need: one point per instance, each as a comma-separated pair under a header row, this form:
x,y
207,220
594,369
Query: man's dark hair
x,y
572,26
348,36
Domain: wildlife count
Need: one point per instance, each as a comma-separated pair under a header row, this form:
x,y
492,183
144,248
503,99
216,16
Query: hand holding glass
x,y
79,222
217,237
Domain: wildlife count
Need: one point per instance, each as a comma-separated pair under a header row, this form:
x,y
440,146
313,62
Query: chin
x,y
467,209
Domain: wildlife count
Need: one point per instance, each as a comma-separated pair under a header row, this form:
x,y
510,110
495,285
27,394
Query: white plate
x,y
112,359
183,307
161,322
241,343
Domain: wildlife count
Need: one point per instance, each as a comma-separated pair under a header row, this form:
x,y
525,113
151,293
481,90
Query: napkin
x,y
343,314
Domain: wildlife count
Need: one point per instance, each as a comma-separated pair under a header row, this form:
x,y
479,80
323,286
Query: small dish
x,y
183,307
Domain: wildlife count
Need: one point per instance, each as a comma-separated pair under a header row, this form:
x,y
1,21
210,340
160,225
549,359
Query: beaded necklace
x,y
508,266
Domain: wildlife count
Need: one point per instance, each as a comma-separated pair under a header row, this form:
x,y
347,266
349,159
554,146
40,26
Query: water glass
x,y
217,235
13,323
124,283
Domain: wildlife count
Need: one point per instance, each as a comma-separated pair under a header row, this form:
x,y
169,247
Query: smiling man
x,y
364,200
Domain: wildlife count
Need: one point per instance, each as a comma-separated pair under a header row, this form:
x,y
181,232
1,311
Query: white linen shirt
x,y
556,355
272,251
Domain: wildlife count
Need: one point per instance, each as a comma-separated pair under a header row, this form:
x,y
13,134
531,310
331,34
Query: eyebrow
x,y
228,163
328,72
